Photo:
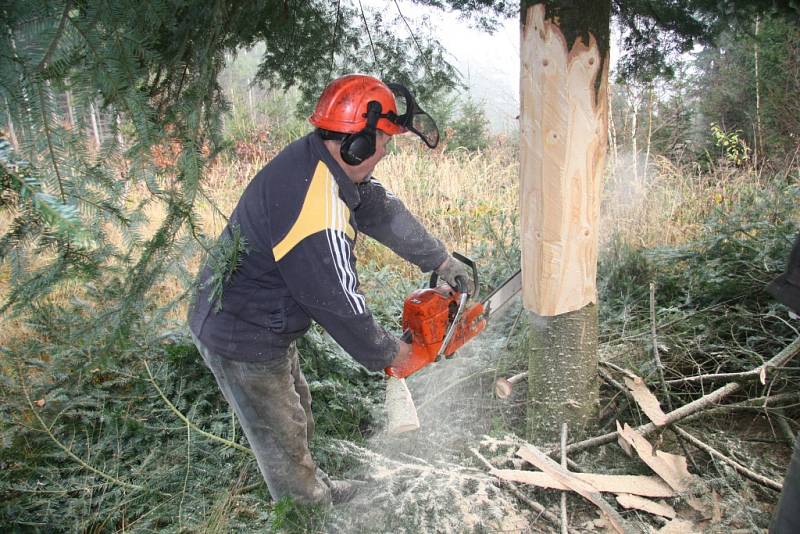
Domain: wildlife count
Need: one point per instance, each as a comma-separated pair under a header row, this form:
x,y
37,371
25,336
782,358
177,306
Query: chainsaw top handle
x,y
466,261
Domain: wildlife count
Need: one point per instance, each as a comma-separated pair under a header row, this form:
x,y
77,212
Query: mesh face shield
x,y
412,117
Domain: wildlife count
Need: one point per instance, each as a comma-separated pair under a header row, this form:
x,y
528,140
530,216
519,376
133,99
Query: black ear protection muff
x,y
361,145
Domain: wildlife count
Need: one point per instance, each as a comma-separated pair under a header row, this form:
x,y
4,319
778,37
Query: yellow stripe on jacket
x,y
322,210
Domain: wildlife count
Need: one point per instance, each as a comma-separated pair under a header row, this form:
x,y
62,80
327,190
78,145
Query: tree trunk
x,y
564,137
70,111
11,131
95,125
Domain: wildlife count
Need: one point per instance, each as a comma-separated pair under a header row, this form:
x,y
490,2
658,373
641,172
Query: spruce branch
x,y
56,38
223,261
48,135
66,449
186,420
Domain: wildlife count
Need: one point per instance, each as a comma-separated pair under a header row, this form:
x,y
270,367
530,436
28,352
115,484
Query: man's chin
x,y
364,178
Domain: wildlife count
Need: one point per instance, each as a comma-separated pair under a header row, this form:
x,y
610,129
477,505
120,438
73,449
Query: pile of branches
x,y
690,341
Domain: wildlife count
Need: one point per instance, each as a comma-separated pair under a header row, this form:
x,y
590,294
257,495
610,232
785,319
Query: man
x,y
786,289
292,235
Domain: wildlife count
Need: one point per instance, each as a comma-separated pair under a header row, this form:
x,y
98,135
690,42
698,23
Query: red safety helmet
x,y
342,107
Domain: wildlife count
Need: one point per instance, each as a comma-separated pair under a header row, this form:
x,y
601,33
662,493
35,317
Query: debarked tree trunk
x,y
564,138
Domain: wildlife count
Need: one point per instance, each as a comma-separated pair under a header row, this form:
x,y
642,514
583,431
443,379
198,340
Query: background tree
x,y
470,130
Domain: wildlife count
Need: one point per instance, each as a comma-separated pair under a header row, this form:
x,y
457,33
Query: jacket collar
x,y
347,189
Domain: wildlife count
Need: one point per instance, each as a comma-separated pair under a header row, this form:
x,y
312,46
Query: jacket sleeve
x,y
384,217
321,277
313,252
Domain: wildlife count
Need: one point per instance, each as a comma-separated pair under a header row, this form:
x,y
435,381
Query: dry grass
x,y
455,193
668,205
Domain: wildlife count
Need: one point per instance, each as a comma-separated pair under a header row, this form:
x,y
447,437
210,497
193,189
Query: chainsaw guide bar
x,y
502,294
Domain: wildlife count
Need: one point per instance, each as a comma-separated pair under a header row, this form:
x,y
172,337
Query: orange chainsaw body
x,y
427,316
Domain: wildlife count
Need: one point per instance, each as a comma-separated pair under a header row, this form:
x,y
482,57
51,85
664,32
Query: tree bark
x,y
562,376
564,138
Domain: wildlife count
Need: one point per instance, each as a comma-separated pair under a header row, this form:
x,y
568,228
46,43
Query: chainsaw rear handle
x,y
466,261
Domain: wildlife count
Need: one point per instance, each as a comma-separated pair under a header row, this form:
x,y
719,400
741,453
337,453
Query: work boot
x,y
343,491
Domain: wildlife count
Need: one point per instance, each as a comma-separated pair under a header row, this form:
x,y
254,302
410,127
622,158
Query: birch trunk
x,y
70,111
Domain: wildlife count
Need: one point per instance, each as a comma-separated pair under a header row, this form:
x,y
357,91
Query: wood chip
x,y
584,489
646,505
679,526
670,467
646,400
645,486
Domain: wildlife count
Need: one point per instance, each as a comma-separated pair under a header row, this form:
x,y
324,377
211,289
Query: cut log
x,y
646,486
504,386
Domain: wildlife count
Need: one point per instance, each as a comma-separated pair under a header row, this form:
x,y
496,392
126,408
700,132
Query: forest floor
x,y
432,480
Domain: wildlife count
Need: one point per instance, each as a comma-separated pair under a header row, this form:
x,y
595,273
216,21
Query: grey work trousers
x,y
273,404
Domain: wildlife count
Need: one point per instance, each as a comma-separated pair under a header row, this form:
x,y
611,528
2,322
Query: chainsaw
x,y
439,320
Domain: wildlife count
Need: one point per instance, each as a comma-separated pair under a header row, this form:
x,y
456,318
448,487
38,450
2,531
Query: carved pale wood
x,y
563,142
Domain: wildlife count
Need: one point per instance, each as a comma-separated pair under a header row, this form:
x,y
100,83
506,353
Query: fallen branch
x,y
609,408
780,360
752,475
186,420
656,357
672,417
788,434
605,375
757,403
518,494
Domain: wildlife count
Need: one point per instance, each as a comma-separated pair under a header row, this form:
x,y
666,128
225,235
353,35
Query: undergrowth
x,y
713,314
89,443
101,432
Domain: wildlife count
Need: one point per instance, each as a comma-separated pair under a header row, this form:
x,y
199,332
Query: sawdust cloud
x,y
428,481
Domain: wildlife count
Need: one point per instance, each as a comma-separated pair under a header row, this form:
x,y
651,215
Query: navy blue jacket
x,y
300,216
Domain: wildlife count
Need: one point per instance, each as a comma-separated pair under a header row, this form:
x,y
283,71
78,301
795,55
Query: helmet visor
x,y
412,117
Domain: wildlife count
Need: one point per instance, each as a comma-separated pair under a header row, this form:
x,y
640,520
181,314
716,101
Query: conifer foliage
x,y
150,69
110,111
